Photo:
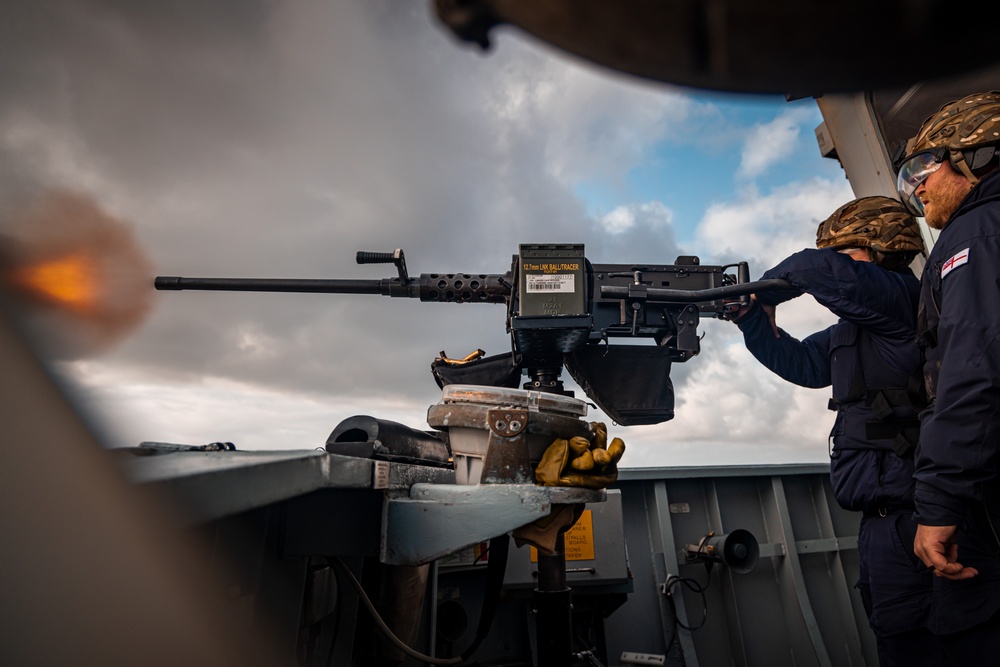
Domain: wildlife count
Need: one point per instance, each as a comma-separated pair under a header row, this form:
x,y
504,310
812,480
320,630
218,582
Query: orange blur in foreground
x,y
80,279
70,282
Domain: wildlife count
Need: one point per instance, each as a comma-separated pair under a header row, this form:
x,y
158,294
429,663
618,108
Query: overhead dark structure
x,y
753,46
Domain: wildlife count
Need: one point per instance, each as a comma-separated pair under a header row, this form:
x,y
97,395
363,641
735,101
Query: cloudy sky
x,y
250,138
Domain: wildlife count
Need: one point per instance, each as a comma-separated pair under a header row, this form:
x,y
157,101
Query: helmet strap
x,y
958,161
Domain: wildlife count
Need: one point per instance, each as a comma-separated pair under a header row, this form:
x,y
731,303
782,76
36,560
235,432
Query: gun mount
x,y
560,309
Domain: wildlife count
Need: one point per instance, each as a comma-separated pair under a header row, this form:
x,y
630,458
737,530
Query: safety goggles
x,y
915,171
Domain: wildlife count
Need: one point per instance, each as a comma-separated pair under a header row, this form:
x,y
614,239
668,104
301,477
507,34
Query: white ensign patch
x,y
957,260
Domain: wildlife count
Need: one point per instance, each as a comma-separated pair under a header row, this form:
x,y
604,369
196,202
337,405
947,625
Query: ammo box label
x,y
549,283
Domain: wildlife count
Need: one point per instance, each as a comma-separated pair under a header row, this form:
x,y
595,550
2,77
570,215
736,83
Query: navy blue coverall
x,y
870,350
956,473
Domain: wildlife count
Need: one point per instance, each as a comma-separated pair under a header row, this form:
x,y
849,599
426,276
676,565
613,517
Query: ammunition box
x,y
552,280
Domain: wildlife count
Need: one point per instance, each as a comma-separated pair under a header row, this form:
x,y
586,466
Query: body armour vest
x,y
878,405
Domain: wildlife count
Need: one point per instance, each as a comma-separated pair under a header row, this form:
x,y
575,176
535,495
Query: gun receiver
x,y
559,308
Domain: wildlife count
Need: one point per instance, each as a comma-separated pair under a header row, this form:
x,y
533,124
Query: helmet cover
x,y
879,223
970,122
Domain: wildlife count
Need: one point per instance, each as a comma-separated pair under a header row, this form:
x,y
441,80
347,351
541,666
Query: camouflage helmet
x,y
960,127
882,224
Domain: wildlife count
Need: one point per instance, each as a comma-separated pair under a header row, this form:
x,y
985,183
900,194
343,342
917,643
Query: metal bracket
x,y
439,519
688,343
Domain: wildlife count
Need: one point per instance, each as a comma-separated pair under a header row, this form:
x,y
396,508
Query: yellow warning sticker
x,y
579,539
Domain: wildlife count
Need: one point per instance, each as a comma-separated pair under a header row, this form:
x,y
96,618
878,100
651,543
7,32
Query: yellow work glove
x,y
553,461
581,462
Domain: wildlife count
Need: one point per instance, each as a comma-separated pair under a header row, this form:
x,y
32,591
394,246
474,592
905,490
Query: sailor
x,y
860,271
950,176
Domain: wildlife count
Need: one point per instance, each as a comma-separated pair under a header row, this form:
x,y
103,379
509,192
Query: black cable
x,y
692,585
496,568
345,571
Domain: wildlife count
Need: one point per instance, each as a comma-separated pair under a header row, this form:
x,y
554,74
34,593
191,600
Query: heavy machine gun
x,y
563,310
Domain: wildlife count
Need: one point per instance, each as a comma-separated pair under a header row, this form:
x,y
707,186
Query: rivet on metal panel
x,y
507,422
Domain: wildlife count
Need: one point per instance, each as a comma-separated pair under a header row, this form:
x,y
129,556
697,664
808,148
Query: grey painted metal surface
x,y
852,128
435,520
699,472
211,485
673,610
797,607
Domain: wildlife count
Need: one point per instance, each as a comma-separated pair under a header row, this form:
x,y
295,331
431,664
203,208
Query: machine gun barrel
x,y
665,295
327,286
450,288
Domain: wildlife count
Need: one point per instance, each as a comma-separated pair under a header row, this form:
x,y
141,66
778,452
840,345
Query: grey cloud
x,y
276,139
